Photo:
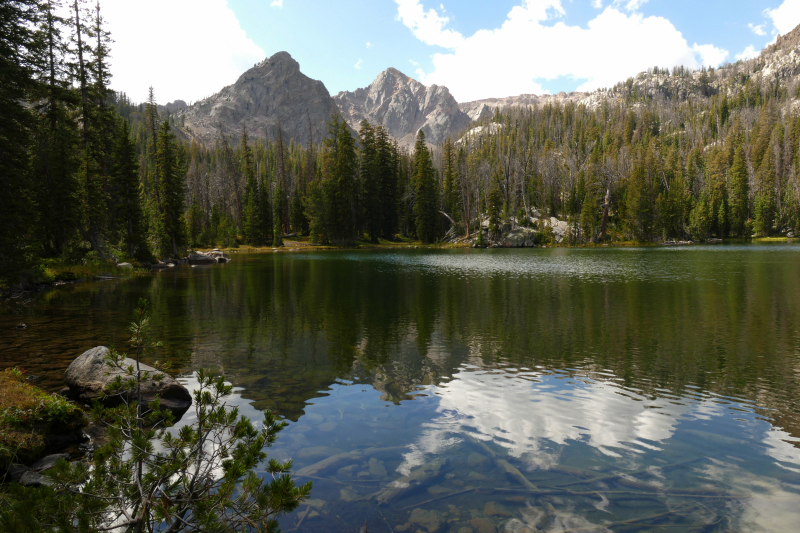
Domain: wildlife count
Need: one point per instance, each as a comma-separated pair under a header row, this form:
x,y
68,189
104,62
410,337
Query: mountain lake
x,y
560,389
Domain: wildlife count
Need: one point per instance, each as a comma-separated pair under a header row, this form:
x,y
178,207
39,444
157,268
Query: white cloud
x,y
428,26
187,65
529,45
369,45
785,17
758,30
630,5
597,4
359,63
710,55
277,3
748,53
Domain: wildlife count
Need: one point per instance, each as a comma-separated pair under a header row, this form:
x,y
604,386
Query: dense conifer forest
x,y
87,174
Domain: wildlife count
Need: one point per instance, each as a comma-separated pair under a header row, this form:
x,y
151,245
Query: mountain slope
x,y
271,93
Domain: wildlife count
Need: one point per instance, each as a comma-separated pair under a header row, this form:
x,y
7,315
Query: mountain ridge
x,y
275,91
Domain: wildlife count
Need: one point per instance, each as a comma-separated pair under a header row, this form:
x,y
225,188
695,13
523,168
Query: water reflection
x,y
623,384
530,451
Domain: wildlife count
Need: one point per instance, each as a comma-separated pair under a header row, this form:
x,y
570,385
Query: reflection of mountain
x,y
286,326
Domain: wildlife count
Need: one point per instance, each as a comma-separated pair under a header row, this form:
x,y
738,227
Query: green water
x,y
487,390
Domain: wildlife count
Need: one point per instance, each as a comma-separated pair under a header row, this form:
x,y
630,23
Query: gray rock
x,y
125,266
199,258
271,93
48,462
33,479
519,238
88,376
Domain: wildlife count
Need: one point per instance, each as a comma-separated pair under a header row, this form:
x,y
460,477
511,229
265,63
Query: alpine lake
x,y
561,389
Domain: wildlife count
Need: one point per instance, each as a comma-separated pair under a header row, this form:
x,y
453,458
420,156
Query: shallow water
x,y
488,390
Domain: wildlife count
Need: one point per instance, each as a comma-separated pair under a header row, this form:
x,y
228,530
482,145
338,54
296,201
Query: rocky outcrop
x,y
479,110
404,106
89,375
208,258
172,107
519,238
272,93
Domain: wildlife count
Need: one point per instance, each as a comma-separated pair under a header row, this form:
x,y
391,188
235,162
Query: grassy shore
x,y
28,416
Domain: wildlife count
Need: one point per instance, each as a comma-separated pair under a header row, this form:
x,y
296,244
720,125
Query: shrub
x,y
147,478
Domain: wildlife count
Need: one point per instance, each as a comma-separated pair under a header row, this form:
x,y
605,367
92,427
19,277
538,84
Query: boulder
x,y
34,479
519,238
220,257
199,258
48,462
88,376
125,266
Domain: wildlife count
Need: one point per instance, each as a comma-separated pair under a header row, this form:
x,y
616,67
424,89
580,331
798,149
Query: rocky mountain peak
x,y
274,92
403,106
280,62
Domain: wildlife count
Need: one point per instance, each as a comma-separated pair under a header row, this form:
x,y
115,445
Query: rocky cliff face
x,y
404,106
271,93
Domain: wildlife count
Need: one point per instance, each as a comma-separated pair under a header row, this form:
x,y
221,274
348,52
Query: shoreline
x,y
117,273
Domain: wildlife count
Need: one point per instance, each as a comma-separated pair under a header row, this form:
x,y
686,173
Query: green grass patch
x,y
28,415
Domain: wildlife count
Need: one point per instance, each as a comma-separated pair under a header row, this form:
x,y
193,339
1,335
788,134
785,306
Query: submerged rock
x,y
430,520
88,376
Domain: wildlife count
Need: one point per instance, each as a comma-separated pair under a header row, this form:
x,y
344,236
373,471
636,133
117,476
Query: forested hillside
x,y
87,174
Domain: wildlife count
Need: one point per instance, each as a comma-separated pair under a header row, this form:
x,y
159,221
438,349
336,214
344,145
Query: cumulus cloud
x,y
630,5
359,63
785,17
758,30
597,4
427,26
748,53
277,3
179,65
532,44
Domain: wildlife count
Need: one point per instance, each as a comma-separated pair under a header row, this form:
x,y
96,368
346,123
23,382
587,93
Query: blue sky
x,y
477,48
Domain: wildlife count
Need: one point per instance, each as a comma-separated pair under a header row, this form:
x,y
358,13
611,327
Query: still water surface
x,y
466,391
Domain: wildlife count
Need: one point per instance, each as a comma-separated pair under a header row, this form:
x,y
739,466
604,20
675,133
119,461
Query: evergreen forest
x,y
87,174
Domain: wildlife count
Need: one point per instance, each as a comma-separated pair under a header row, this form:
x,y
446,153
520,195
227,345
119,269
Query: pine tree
x,y
54,154
426,202
128,214
194,222
388,162
18,48
338,185
450,194
251,221
171,188
265,207
370,181
277,210
764,209
739,194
